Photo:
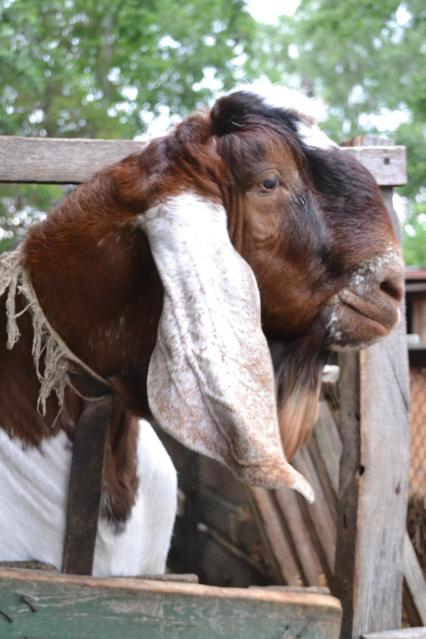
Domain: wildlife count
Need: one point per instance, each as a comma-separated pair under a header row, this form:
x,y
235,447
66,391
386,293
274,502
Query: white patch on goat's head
x,y
313,136
281,97
309,110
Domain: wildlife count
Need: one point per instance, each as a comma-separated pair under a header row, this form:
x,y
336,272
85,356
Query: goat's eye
x,y
270,183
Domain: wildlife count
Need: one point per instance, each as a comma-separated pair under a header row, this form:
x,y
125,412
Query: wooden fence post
x,y
374,391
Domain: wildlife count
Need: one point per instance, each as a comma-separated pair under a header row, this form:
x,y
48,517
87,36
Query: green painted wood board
x,y
44,606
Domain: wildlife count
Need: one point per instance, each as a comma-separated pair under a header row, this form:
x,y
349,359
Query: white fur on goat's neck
x,y
310,110
33,500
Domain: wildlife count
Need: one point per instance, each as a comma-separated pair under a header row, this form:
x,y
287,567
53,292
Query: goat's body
x,y
34,487
135,272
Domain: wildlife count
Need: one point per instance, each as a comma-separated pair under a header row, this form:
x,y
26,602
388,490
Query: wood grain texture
x,y
325,457
304,548
34,605
85,486
349,418
383,479
318,516
414,580
58,161
71,161
407,633
280,546
388,164
373,483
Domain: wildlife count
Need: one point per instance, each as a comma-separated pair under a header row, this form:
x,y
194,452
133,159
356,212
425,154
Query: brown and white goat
x,y
162,275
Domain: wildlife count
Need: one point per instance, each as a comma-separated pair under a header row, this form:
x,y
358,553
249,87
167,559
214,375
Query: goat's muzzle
x,y
368,307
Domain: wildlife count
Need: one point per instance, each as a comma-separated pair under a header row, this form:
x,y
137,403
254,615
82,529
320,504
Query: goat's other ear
x,y
230,112
210,378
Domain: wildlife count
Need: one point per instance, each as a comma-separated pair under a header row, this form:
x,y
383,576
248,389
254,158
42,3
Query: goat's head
x,y
310,224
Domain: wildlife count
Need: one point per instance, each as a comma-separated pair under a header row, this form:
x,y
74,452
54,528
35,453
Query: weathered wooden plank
x,y
383,479
406,633
58,161
281,552
318,516
369,140
288,502
323,467
70,161
184,578
374,488
388,164
343,582
85,486
329,445
374,391
37,605
414,579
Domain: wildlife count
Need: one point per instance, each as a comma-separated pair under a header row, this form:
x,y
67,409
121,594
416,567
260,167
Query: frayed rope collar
x,y
47,345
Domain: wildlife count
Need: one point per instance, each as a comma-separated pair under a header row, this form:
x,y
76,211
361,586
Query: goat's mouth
x,y
384,313
356,321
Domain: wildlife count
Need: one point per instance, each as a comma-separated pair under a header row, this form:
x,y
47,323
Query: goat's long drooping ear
x,y
210,380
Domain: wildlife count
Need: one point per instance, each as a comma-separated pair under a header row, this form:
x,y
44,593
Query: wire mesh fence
x,y
416,522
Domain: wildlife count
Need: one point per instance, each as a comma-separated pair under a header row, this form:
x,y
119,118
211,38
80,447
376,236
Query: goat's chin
x,y
355,322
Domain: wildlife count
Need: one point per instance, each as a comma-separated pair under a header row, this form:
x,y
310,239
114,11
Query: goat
x,y
162,275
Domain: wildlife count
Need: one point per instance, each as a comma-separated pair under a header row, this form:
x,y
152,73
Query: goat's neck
x,y
92,270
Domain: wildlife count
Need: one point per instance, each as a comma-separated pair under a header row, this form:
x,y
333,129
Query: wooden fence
x,y
357,460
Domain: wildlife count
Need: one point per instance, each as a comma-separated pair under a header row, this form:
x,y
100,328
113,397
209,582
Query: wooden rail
x,y
71,161
37,604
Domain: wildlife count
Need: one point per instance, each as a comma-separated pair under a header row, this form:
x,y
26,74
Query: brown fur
x,y
92,268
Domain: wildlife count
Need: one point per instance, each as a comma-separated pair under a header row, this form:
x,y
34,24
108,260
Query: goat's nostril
x,y
394,287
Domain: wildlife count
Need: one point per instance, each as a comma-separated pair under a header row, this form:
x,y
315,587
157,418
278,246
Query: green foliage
x,y
102,69
92,68
414,234
20,206
364,59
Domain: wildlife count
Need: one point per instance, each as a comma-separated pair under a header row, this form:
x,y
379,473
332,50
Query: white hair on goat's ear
x,y
210,379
